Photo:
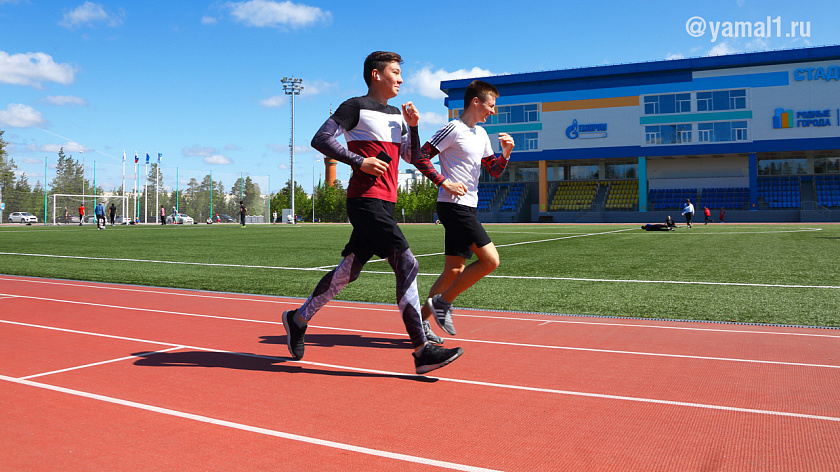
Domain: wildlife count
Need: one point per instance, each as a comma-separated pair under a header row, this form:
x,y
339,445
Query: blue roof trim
x,y
601,76
805,144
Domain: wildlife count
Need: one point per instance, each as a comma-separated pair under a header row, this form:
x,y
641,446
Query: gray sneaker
x,y
442,314
430,335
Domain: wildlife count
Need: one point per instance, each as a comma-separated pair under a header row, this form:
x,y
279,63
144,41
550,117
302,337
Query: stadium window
x,y
722,100
583,172
523,142
667,104
722,131
782,166
827,165
516,114
621,171
668,134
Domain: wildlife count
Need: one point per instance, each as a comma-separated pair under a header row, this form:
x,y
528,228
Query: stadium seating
x,y
828,190
780,191
671,198
735,198
623,195
486,194
514,195
575,195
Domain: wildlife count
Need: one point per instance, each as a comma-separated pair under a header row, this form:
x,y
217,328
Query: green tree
x,y
7,174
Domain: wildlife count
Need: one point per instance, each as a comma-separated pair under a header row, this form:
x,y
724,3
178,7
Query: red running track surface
x,y
112,377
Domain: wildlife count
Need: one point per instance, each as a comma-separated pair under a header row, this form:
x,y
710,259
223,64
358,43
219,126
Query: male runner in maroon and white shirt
x,y
376,134
464,149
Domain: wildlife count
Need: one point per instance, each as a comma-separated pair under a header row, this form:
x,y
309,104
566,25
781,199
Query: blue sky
x,y
200,81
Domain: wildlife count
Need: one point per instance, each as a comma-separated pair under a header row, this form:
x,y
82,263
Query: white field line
x,y
445,379
499,343
94,364
244,427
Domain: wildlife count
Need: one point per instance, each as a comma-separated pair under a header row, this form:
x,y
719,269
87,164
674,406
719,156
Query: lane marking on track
x,y
466,340
94,364
249,428
393,310
477,383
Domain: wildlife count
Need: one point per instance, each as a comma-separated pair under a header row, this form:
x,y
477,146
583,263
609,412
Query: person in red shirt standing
x,y
708,214
81,214
720,217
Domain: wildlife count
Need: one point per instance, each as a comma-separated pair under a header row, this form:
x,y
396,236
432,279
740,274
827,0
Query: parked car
x,y
181,219
22,217
225,219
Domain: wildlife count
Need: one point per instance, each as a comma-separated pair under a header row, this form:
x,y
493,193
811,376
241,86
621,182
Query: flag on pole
x,y
159,156
147,158
136,159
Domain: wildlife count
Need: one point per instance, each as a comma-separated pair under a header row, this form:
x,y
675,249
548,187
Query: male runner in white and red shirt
x,y
464,149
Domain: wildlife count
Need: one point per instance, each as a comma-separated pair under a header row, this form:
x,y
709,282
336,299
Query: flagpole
x,y
157,186
125,202
136,186
146,190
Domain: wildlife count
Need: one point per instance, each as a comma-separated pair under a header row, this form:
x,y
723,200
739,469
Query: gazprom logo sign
x,y
588,131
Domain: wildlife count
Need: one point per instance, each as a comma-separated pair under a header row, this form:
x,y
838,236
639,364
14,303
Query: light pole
x,y
292,86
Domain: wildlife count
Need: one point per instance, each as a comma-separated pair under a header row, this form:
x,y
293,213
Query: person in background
x,y
112,213
99,212
163,215
242,212
688,212
708,214
720,217
81,214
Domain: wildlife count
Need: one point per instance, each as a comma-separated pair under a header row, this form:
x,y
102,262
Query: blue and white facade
x,y
713,122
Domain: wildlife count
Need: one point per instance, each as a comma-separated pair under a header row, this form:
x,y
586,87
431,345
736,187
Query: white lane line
x,y
94,364
466,340
249,428
484,384
393,310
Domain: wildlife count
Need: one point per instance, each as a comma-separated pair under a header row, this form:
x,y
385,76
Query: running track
x,y
111,377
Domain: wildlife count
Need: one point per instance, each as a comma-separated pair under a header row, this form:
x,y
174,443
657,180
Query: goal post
x,y
61,201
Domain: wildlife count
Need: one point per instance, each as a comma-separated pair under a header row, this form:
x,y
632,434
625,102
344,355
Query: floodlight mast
x,y
292,87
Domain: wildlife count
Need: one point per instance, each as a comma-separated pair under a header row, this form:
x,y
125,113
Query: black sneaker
x,y
434,357
294,335
430,335
442,314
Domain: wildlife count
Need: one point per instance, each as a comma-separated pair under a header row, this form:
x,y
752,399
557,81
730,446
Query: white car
x,y
181,219
22,217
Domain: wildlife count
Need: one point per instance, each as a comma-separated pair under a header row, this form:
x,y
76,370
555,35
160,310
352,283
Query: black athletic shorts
x,y
462,229
375,231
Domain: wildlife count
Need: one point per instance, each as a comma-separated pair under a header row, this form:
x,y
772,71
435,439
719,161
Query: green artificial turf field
x,y
781,274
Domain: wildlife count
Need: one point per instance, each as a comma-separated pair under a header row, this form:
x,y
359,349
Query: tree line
x,y
200,198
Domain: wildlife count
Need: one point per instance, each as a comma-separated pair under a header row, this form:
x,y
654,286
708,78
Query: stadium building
x,y
757,134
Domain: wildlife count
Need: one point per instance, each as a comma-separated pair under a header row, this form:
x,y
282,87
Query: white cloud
x,y
62,100
674,56
231,147
276,101
208,20
262,13
721,49
69,147
32,160
198,150
217,159
89,13
317,87
20,116
432,120
427,82
33,68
